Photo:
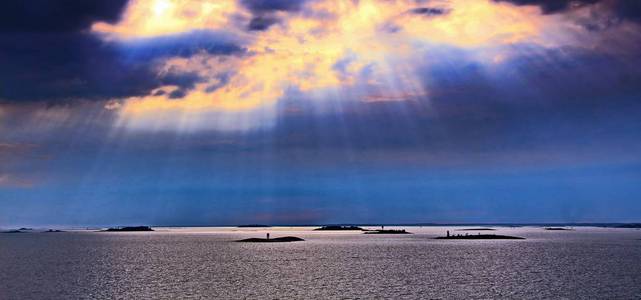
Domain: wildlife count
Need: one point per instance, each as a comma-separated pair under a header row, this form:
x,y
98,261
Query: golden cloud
x,y
328,46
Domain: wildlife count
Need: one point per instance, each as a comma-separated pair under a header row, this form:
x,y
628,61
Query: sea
x,y
207,263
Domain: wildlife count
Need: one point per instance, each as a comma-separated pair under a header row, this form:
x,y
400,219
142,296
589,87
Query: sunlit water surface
x,y
183,263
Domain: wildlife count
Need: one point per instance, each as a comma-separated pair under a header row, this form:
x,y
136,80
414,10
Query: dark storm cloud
x,y
629,9
551,6
556,98
56,15
39,66
66,66
568,76
553,82
620,9
182,80
429,11
263,6
48,53
260,23
263,11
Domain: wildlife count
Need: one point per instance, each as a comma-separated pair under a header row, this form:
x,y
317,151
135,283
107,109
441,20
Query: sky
x,y
194,112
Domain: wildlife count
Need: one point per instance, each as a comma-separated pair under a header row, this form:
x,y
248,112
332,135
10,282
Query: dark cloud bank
x,y
263,11
49,55
623,9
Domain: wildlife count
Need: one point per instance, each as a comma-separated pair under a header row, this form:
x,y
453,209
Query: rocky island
x,y
129,229
630,225
13,231
284,239
558,229
478,237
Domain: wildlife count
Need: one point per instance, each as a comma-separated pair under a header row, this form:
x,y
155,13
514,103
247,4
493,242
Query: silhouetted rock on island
x,y
479,237
631,225
54,230
13,231
337,227
388,231
129,229
558,229
284,239
476,229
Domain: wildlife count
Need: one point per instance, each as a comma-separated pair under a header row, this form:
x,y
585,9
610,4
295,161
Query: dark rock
x,y
129,229
558,229
631,225
479,237
284,239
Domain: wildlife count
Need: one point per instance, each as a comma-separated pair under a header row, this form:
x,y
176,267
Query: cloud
x,y
195,61
619,9
262,22
317,49
40,16
551,6
46,61
266,13
181,45
74,66
629,9
263,6
47,55
151,18
429,11
77,66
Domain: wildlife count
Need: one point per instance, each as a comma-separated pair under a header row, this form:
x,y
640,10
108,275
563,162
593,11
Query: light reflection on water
x,y
173,263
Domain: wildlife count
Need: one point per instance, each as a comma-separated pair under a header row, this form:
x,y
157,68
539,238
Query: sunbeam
x,y
367,51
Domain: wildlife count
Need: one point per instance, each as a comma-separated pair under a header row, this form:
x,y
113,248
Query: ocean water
x,y
205,263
